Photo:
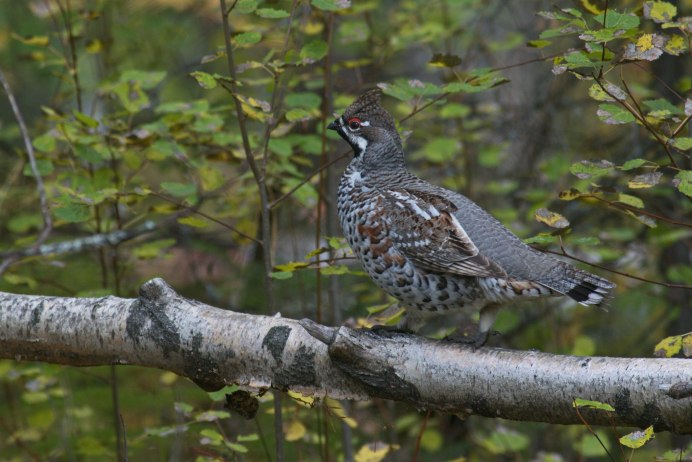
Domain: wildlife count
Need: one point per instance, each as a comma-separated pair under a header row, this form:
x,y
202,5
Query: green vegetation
x,y
570,124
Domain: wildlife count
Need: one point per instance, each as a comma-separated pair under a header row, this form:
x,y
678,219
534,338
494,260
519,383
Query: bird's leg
x,y
480,337
407,324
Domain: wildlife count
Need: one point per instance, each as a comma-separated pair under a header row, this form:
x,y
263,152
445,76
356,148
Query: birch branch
x,y
215,347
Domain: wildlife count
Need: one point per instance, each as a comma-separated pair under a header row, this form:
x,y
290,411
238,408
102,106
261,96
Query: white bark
x,y
215,347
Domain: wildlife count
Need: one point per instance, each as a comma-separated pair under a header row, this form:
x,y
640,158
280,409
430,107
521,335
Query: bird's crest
x,y
367,107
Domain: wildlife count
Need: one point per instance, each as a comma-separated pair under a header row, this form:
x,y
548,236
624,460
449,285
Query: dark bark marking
x,y
300,372
623,405
147,317
200,367
36,315
275,341
481,406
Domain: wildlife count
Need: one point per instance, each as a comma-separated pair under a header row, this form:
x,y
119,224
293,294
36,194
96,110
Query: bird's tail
x,y
586,288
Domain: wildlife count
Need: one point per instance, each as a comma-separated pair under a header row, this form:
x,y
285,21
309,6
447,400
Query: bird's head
x,y
368,127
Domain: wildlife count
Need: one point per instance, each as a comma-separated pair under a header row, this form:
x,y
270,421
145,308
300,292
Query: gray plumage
x,y
433,249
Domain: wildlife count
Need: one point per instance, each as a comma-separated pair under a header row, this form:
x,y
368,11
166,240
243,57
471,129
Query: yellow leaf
x,y
94,46
637,439
668,347
645,42
374,452
337,410
552,219
675,45
211,177
193,222
294,431
168,378
590,7
301,399
37,40
660,11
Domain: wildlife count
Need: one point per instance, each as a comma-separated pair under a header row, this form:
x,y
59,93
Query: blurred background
x,y
129,109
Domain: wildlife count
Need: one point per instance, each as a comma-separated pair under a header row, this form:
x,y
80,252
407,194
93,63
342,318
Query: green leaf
x,y
162,149
304,100
193,222
660,11
247,38
552,219
271,13
245,6
541,238
586,240
331,5
337,243
85,119
632,164
205,80
178,189
211,437
662,108
441,149
281,275
153,249
615,20
297,114
73,213
585,403
683,143
314,51
637,439
45,142
146,79
45,167
239,448
614,114
334,269
630,200
683,181
580,59
585,169
88,153
538,43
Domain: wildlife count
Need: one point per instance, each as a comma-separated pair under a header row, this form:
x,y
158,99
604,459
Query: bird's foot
x,y
388,329
475,340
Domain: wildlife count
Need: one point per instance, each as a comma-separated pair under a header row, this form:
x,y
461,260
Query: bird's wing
x,y
425,230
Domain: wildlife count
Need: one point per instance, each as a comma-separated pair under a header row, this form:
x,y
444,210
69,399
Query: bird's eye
x,y
354,123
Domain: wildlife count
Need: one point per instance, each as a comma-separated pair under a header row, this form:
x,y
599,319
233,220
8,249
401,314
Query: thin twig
x,y
630,208
43,201
308,178
636,112
265,213
208,217
420,436
603,45
563,253
588,427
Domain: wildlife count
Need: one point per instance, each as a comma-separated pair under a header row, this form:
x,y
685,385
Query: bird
x,y
432,249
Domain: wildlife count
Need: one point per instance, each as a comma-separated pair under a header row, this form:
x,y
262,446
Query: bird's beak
x,y
334,125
